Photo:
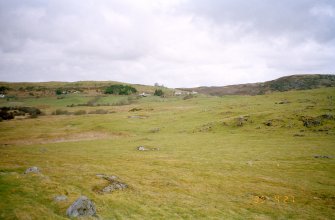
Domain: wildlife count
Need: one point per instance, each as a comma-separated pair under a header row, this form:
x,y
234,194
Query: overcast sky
x,y
177,43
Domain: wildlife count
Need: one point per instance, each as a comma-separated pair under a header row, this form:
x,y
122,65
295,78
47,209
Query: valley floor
x,y
230,157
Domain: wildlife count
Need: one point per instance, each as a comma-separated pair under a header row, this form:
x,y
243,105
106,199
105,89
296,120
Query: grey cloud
x,y
284,17
178,43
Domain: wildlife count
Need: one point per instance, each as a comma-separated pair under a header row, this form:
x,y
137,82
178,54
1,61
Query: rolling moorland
x,y
260,155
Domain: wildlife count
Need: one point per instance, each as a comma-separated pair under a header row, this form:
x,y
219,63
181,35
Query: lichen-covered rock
x,y
81,207
32,170
114,185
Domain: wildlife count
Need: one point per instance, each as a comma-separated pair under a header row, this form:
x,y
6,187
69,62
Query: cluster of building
x,y
176,93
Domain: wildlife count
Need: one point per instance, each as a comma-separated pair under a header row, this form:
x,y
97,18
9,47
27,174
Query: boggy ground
x,y
230,157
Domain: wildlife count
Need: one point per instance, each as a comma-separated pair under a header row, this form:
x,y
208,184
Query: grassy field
x,y
230,157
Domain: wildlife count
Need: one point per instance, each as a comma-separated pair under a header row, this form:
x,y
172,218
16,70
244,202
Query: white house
x,y
143,94
177,93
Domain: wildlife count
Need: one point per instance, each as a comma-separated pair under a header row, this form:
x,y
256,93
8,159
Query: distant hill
x,y
294,82
86,87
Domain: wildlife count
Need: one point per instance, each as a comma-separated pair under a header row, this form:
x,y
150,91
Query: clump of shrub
x,y
60,112
159,92
98,111
135,109
80,112
59,91
5,114
8,113
315,121
120,90
4,89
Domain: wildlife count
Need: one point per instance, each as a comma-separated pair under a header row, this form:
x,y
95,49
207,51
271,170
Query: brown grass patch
x,y
84,136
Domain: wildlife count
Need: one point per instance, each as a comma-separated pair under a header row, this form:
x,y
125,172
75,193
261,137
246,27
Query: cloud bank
x,y
177,43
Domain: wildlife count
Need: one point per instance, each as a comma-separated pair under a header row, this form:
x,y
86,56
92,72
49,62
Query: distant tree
x,y
157,85
3,89
120,90
158,92
58,91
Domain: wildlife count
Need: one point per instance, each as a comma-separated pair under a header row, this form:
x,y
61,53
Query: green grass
x,y
207,166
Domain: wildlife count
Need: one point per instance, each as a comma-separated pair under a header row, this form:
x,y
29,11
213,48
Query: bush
x,y
159,92
58,91
7,113
80,112
3,89
98,111
120,90
61,112
30,110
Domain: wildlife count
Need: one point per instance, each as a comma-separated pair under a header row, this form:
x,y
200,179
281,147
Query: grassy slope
x,y
207,167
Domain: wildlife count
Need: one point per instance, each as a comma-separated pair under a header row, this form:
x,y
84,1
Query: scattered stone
x,y
60,198
115,185
32,170
322,156
81,207
250,163
141,148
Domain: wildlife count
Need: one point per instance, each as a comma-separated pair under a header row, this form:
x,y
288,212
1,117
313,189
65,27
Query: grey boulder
x,y
81,207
